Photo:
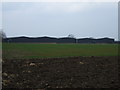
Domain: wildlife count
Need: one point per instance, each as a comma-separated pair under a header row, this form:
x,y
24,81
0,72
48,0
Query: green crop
x,y
36,50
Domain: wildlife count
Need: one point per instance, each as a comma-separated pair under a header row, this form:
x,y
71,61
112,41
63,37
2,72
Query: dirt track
x,y
74,72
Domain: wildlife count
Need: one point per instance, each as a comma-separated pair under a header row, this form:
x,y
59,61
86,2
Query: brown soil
x,y
72,72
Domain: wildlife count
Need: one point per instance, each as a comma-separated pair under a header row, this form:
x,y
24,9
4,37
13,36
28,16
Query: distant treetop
x,y
71,36
2,34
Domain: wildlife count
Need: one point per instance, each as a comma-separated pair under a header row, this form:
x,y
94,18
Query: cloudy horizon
x,y
84,20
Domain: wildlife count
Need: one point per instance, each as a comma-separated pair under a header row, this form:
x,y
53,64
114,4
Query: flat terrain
x,y
32,50
75,72
59,65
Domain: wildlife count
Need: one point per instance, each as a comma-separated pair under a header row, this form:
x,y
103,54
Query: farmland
x,y
20,50
42,66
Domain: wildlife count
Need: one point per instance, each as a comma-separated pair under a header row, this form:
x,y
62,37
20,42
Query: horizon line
x,y
60,37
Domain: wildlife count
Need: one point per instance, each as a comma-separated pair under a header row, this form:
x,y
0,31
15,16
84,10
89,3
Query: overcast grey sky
x,y
83,19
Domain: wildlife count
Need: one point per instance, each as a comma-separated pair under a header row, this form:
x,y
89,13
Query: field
x,y
42,66
13,50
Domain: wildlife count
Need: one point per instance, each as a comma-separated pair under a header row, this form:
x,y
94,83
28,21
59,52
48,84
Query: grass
x,y
32,50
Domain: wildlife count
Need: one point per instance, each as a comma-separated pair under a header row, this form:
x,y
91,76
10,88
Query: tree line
x,y
69,39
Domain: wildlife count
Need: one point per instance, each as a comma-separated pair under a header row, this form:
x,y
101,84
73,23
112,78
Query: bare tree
x,y
71,36
2,34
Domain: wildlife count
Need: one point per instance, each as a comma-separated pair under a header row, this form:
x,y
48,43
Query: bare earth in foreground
x,y
72,72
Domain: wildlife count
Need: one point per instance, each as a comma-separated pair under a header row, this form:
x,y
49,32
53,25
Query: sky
x,y
0,15
60,0
59,19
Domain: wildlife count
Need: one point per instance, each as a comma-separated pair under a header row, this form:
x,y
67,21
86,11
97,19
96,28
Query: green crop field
x,y
32,50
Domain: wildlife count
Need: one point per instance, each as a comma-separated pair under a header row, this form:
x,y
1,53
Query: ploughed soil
x,y
72,72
